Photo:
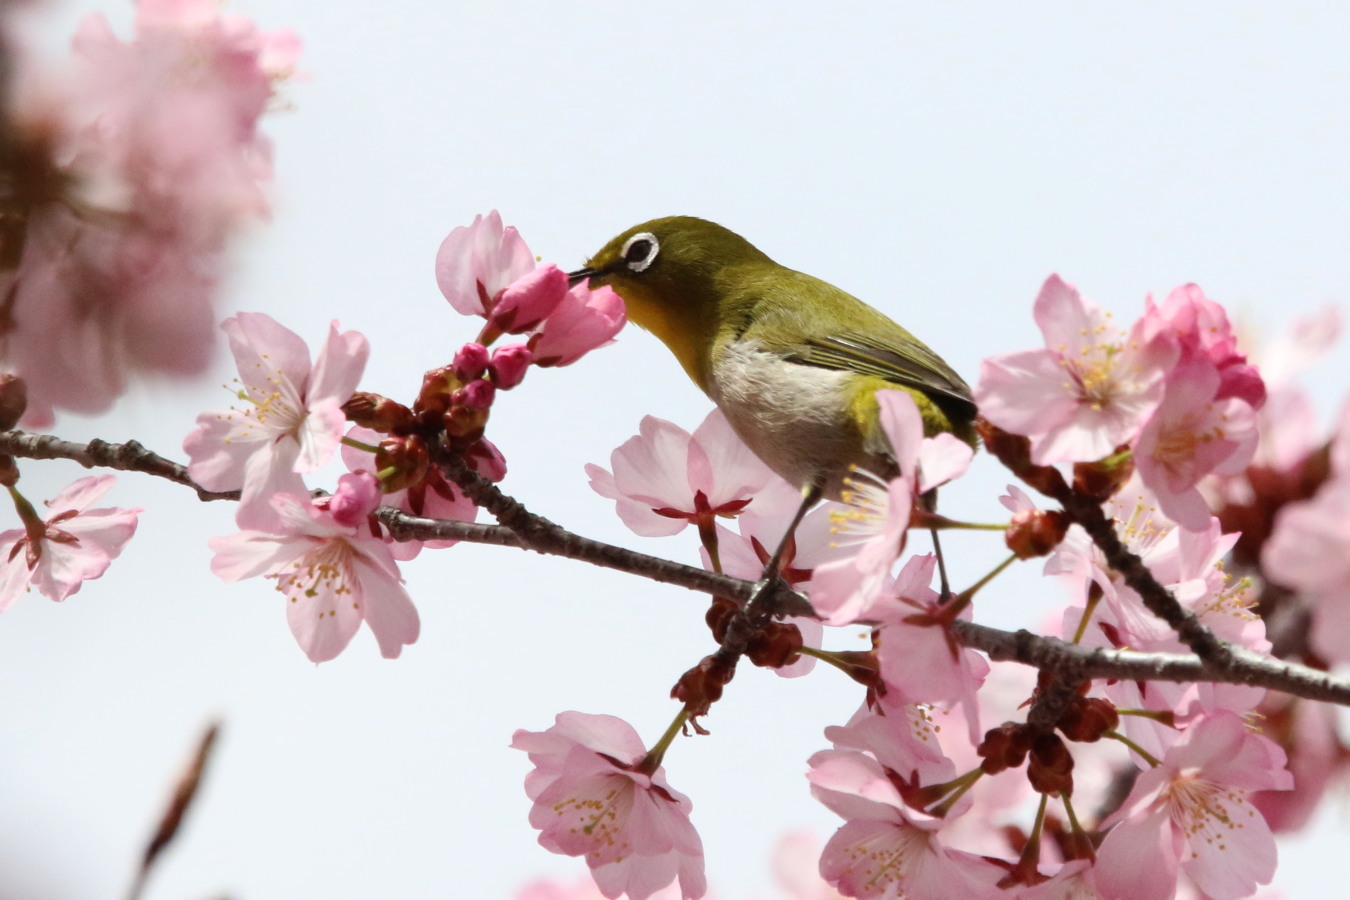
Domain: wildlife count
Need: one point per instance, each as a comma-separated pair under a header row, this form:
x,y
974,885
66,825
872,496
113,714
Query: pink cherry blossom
x,y
887,849
666,478
334,573
1194,432
583,321
1089,391
920,659
877,523
592,798
161,163
75,543
292,421
528,301
1205,336
1189,565
1192,813
477,262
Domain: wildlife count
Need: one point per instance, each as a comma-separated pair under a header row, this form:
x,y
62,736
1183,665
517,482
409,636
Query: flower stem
x,y
1148,757
1082,844
964,598
652,761
352,442
1094,597
33,525
942,523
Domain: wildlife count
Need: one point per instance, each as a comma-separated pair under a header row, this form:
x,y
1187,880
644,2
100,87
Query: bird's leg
x,y
928,503
811,493
942,568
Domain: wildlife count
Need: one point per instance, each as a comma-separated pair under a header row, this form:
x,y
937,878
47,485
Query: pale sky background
x,y
937,159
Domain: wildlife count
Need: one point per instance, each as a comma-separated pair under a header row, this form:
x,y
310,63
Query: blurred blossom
x,y
158,163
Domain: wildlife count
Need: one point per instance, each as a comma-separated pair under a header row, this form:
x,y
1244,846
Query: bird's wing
x,y
911,365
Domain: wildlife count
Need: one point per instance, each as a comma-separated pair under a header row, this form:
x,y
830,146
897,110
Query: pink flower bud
x,y
476,394
470,362
585,320
508,365
529,299
485,459
357,495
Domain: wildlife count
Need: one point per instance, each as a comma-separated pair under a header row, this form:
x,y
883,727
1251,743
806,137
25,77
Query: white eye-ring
x,y
640,250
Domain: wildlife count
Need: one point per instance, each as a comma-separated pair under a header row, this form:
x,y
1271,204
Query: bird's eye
x,y
640,250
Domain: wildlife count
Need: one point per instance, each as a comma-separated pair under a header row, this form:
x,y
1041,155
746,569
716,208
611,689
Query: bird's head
x,y
673,273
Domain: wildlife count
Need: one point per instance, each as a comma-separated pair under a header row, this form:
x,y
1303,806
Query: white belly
x,y
791,415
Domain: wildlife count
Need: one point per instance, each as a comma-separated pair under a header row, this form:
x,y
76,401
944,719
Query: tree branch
x,y
531,532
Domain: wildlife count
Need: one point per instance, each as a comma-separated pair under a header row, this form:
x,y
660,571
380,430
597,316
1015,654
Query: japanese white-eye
x,y
793,362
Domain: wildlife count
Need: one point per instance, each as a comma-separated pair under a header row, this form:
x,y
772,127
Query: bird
x,y
792,361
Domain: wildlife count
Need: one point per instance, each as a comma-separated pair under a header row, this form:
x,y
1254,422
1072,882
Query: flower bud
x,y
464,425
775,645
402,462
1004,747
1088,718
529,299
719,616
1035,532
357,495
437,387
475,395
701,687
1014,451
378,413
1050,767
1101,479
509,364
470,362
485,459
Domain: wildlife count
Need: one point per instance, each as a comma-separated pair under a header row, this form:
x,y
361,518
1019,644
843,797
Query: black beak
x,y
573,278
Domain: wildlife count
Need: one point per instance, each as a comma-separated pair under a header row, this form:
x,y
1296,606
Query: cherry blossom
x,y
877,523
334,573
292,421
920,659
1205,337
74,544
665,478
886,848
1191,813
1194,432
584,320
593,798
477,262
161,163
1088,391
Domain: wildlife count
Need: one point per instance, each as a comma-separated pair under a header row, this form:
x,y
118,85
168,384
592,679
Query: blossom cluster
x,y
1160,420
334,562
